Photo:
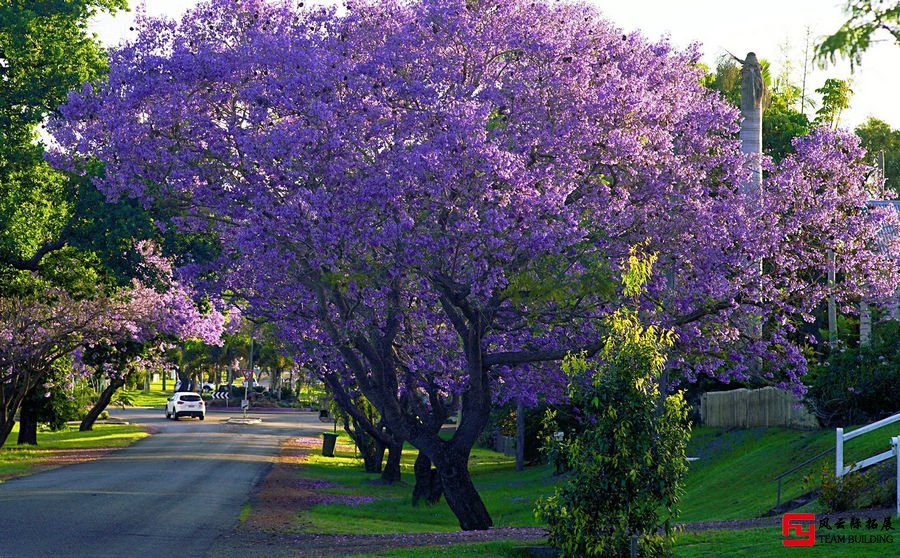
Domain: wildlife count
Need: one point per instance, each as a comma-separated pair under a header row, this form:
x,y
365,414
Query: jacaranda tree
x,y
38,331
431,198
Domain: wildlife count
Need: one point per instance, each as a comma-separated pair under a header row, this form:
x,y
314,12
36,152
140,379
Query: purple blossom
x,y
405,167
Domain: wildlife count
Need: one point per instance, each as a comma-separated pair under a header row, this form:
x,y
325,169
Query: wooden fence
x,y
747,408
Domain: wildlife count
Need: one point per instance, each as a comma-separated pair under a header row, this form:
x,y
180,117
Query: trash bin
x,y
328,441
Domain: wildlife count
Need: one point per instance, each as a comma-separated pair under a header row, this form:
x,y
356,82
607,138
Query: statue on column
x,y
753,93
753,88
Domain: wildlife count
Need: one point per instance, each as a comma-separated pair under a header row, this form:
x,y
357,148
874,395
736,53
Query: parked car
x,y
185,404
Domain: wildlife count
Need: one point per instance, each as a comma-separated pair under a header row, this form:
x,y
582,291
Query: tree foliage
x,y
628,460
878,138
859,384
447,188
836,95
867,19
45,52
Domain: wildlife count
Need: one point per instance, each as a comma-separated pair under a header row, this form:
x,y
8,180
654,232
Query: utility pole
x,y
246,404
832,307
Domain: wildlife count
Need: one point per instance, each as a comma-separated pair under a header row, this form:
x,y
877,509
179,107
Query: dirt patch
x,y
283,494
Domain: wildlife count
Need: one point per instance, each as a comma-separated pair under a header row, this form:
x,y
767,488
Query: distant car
x,y
185,404
206,386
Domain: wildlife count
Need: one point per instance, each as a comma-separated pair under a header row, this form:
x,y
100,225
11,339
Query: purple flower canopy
x,y
401,183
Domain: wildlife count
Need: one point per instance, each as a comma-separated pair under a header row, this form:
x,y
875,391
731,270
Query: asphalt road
x,y
173,494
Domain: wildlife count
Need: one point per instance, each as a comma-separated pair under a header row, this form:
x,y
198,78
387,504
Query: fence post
x,y
895,441
839,453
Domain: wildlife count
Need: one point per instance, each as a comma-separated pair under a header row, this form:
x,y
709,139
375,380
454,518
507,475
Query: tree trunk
x,y
391,472
520,437
6,428
460,492
365,444
428,487
10,399
87,423
28,420
185,379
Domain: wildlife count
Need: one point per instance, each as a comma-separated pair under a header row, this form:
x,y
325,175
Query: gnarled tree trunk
x,y
371,439
87,423
460,492
11,396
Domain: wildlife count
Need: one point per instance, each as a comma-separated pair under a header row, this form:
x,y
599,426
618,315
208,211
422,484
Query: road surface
x,y
172,494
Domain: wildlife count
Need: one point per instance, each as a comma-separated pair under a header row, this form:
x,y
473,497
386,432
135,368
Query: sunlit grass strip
x,y
17,461
359,506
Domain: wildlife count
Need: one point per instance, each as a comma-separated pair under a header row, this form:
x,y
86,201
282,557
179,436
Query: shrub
x,y
856,385
628,461
124,398
845,493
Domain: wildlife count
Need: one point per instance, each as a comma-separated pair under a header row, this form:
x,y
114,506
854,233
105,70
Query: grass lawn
x,y
16,461
369,508
766,542
755,543
156,397
734,476
489,549
733,479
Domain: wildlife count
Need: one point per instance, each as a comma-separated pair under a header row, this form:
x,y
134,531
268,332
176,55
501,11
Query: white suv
x,y
185,404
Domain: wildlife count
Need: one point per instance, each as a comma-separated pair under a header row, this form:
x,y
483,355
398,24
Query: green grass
x,y
733,479
509,495
156,397
734,476
245,513
764,542
16,461
488,549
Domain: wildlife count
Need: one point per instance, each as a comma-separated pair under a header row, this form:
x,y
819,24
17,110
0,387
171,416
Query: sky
x,y
775,30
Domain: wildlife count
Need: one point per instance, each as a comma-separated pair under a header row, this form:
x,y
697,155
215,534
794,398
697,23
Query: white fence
x,y
840,437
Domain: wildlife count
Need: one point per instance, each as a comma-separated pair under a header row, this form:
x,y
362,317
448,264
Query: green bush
x,y
845,493
628,461
124,398
857,385
59,408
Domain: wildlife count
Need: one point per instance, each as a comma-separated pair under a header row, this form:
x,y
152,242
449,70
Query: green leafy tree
x,y
868,19
45,51
628,461
836,95
878,137
782,121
